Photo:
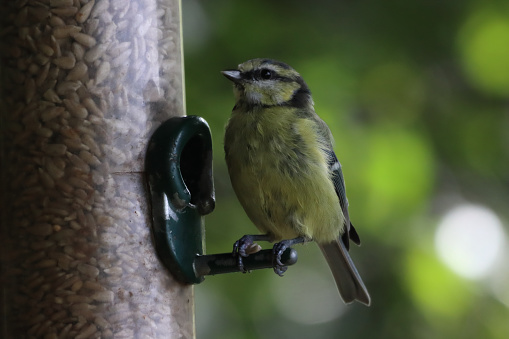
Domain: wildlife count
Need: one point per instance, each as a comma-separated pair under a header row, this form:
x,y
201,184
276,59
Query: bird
x,y
284,171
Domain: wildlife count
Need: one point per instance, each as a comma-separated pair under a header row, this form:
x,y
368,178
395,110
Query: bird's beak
x,y
233,75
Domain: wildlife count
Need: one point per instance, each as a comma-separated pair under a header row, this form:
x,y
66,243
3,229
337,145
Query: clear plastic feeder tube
x,y
84,83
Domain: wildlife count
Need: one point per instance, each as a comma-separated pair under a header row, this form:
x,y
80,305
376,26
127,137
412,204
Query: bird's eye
x,y
265,74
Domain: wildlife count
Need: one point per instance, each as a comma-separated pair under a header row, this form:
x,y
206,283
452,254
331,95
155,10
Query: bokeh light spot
x,y
399,173
484,48
469,240
436,290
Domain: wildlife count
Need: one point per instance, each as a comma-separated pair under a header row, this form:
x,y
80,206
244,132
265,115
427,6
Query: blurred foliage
x,y
417,96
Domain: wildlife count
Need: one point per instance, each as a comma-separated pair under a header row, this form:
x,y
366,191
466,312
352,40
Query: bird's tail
x,y
347,278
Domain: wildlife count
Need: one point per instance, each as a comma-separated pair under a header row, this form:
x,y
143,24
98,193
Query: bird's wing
x,y
339,185
337,179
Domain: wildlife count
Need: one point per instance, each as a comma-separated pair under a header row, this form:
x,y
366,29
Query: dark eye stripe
x,y
254,75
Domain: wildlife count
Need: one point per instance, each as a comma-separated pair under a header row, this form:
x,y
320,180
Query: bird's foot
x,y
278,250
246,246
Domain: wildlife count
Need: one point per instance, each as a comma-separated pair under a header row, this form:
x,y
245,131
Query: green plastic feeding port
x,y
181,191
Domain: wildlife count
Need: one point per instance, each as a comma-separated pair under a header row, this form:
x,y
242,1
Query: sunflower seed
x,y
76,109
65,11
65,87
102,72
103,296
78,72
95,52
65,62
62,32
84,39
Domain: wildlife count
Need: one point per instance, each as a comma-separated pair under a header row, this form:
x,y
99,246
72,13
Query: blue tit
x,y
285,173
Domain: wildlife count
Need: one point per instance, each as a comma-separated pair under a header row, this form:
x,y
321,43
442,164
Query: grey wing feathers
x,y
337,179
339,186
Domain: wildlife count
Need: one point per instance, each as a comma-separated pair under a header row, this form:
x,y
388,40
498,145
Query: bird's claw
x,y
277,252
280,270
239,251
244,247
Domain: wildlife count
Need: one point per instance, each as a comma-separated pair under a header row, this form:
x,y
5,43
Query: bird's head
x,y
266,82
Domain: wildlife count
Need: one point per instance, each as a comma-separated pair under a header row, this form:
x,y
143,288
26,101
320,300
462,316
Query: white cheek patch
x,y
267,93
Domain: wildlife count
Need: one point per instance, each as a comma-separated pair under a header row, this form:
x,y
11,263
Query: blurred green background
x,y
417,96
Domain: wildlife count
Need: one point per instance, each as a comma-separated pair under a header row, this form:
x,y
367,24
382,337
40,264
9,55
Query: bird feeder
x,y
84,84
